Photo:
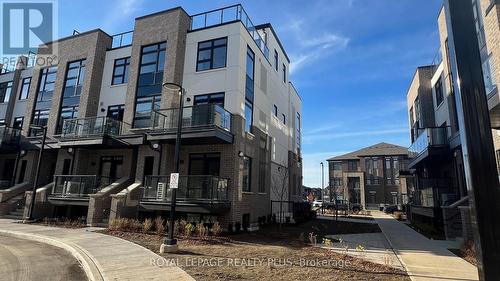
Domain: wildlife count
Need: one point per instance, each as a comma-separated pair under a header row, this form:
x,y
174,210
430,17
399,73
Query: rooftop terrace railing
x,y
91,127
122,39
226,15
193,117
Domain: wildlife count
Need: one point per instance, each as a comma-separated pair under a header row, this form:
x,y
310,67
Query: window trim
x,y
124,77
276,60
211,48
22,87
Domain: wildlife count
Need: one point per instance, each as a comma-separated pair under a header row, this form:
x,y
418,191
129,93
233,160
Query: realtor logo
x,y
26,25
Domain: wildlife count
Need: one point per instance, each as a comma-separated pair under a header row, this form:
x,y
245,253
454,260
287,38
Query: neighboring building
x,y
440,198
111,124
371,176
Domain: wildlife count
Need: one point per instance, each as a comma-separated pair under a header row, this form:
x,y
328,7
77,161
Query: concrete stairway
x,y
16,214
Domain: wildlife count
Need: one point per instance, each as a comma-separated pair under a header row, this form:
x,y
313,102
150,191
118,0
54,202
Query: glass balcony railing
x,y
193,117
226,15
429,137
192,188
91,127
122,39
78,186
9,135
435,192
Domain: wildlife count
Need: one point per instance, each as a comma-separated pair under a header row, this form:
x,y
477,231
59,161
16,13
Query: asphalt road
x,y
26,260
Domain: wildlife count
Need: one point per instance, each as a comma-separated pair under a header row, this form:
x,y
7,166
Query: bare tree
x,y
280,184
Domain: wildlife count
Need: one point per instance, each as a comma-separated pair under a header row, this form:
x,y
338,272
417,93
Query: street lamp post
x,y
33,193
170,243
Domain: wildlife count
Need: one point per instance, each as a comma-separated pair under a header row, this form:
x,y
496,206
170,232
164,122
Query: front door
x,y
110,169
201,165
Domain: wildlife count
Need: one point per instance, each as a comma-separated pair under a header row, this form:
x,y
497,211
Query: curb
x,y
89,265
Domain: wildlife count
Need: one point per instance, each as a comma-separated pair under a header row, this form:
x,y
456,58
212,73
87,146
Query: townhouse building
x,y
373,177
111,123
441,197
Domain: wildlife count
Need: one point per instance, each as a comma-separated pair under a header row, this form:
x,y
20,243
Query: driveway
x,y
27,260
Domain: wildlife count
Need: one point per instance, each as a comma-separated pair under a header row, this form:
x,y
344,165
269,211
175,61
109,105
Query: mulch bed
x,y
270,254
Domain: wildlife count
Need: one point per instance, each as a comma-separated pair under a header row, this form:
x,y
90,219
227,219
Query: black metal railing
x,y
192,188
429,137
78,186
226,15
9,135
198,116
122,39
91,127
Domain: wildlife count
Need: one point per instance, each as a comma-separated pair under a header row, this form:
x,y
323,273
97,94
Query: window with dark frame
x,y
438,89
116,111
25,88
247,174
73,84
284,73
262,164
337,166
5,91
46,86
283,118
213,98
249,89
212,54
120,71
352,165
276,60
149,85
297,127
275,111
18,122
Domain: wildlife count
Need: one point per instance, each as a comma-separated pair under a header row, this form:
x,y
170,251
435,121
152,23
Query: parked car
x,y
390,209
317,203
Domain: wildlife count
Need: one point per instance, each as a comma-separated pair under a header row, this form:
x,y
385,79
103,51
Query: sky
x,y
351,60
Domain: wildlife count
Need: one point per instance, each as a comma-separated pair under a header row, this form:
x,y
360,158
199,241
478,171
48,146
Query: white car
x,y
317,203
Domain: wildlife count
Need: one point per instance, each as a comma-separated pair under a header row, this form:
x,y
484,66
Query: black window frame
x,y
336,166
438,91
275,112
211,98
80,66
6,91
120,108
284,73
284,118
16,122
276,60
249,89
212,49
247,164
123,78
42,92
24,86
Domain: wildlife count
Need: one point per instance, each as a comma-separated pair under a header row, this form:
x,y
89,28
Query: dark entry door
x,y
149,162
199,186
23,171
110,169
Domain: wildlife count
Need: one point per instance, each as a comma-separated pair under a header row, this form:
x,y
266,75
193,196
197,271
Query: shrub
x,y
216,229
159,225
147,225
182,227
201,230
188,229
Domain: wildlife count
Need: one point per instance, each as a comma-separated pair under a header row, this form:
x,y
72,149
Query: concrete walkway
x,y
422,258
103,257
346,219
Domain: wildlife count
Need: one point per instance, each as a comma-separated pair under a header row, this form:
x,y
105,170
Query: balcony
x,y
430,142
196,193
228,15
208,123
9,138
76,189
432,194
91,131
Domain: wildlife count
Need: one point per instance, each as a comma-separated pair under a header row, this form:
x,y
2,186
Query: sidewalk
x,y
102,257
423,258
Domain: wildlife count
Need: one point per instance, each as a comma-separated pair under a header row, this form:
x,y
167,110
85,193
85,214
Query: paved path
x,y
28,260
103,257
348,219
422,258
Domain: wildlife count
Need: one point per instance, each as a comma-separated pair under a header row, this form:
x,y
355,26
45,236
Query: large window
x,y
212,54
74,79
336,182
297,128
438,90
373,171
150,83
215,98
40,118
116,111
247,174
284,73
18,123
120,71
392,170
46,86
352,165
249,89
73,84
275,110
336,166
5,91
25,88
143,109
